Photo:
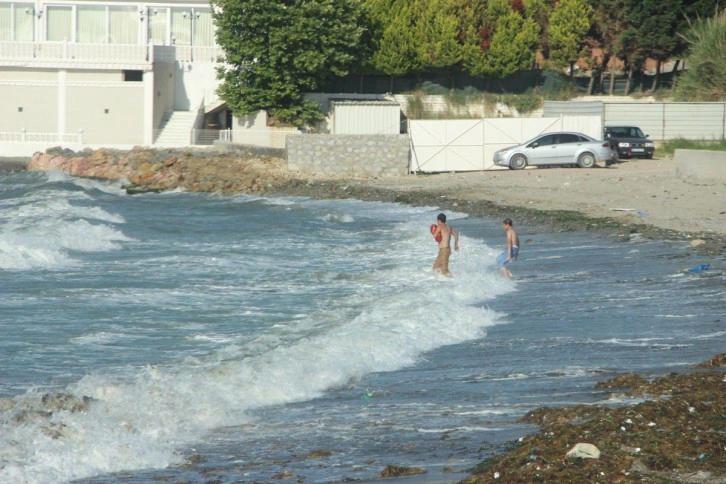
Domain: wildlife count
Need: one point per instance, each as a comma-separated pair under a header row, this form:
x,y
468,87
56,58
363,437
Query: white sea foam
x,y
43,228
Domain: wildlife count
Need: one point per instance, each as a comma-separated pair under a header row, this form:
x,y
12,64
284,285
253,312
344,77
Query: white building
x,y
100,73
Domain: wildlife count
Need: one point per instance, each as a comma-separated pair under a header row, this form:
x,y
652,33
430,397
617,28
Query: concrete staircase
x,y
176,128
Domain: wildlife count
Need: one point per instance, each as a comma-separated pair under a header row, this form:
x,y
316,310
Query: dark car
x,y
629,141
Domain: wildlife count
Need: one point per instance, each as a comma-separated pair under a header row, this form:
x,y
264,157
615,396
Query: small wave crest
x,y
42,228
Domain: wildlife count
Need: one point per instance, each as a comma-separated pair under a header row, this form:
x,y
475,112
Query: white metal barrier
x,y
469,144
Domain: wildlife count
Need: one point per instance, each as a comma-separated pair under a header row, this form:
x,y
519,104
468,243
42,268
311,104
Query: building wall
x,y
29,104
348,155
366,117
96,103
106,111
164,82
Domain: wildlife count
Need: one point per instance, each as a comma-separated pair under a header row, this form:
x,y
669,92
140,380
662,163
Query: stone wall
x,y
348,154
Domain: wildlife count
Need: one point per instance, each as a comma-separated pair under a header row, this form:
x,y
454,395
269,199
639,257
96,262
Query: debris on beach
x,y
674,434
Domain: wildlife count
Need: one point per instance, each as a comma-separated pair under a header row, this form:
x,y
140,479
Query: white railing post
x,y
22,135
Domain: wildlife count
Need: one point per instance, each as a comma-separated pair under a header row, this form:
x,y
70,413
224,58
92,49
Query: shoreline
x,y
636,198
624,228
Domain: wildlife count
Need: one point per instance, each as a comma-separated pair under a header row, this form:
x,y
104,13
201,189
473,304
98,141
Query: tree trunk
x,y
629,81
656,79
612,79
603,68
591,83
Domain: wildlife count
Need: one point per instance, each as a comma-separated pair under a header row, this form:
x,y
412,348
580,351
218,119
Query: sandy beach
x,y
635,191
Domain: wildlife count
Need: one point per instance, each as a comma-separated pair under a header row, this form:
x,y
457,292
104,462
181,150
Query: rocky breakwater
x,y
150,170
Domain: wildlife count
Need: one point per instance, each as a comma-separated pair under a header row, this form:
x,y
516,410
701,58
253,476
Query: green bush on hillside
x,y
705,79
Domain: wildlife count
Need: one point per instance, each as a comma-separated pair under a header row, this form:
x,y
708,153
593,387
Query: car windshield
x,y
627,132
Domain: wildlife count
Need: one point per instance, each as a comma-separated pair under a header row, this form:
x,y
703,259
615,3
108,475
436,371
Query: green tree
x,y
569,24
653,31
513,46
437,35
473,34
276,50
610,23
394,44
502,43
495,10
705,79
412,36
539,10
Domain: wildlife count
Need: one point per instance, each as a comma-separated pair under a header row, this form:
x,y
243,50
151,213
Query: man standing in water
x,y
441,264
512,251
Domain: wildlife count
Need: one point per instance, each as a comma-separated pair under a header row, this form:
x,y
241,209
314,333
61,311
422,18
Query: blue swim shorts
x,y
502,258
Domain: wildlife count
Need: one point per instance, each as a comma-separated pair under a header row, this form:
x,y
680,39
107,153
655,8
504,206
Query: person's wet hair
x,y
442,217
508,221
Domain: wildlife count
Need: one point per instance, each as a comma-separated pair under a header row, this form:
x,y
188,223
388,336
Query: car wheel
x,y
586,160
518,162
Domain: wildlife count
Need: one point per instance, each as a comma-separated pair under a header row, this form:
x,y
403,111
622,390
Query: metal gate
x,y
469,144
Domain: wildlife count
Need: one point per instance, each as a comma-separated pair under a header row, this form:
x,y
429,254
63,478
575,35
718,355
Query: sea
x,y
196,337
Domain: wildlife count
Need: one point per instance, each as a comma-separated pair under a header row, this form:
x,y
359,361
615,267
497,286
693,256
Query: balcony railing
x,y
68,51
14,53
26,137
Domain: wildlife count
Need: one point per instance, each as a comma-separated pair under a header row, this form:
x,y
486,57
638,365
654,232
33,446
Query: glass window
x,y
59,24
181,26
6,21
203,27
123,25
545,140
24,16
91,25
158,22
568,138
16,21
133,76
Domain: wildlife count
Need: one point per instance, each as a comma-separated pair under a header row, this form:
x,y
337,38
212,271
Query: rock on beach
x,y
149,170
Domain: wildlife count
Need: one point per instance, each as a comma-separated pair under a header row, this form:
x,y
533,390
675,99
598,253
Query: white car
x,y
560,148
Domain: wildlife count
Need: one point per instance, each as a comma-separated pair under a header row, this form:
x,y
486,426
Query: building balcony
x,y
69,55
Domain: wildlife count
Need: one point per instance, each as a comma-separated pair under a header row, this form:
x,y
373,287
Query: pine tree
x,y
569,24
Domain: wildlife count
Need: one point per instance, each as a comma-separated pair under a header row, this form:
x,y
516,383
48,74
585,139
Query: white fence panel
x,y
647,116
469,145
446,145
702,121
666,121
366,117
